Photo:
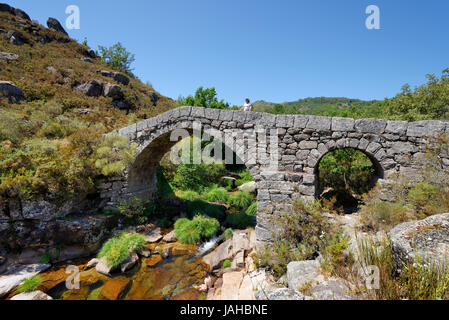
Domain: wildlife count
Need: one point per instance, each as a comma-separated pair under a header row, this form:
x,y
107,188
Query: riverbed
x,y
153,278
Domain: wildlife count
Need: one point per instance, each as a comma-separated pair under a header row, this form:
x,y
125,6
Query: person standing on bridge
x,y
247,106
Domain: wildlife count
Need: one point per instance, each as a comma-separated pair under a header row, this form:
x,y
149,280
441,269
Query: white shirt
x,y
247,107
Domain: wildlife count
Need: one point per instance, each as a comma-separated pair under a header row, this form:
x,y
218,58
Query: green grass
x,y
227,264
119,249
252,210
416,280
245,177
217,195
193,231
188,195
242,199
228,233
30,284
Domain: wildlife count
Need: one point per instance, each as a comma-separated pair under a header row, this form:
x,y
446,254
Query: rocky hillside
x,y
57,98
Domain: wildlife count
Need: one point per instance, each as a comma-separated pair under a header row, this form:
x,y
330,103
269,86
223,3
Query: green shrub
x,y
346,170
242,199
252,210
245,177
134,211
427,199
217,195
117,57
188,195
228,233
119,249
113,154
379,215
301,232
30,284
227,264
189,177
193,231
335,257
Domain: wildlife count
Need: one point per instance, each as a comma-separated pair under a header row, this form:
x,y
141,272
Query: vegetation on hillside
x,y
50,144
206,98
117,57
429,101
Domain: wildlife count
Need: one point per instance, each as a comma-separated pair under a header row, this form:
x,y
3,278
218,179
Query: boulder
x,y
221,253
53,24
35,295
87,60
8,56
170,237
239,260
103,267
112,91
15,37
154,98
91,88
332,290
92,263
231,285
119,77
22,14
248,187
130,263
90,53
146,253
240,242
11,91
427,240
154,236
301,273
17,274
17,12
282,294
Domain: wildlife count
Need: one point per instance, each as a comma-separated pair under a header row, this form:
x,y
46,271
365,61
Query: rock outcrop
x,y
35,295
5,56
17,274
302,273
426,240
53,24
14,11
11,91
117,76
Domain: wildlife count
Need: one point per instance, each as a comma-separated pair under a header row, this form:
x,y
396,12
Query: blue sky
x,y
276,51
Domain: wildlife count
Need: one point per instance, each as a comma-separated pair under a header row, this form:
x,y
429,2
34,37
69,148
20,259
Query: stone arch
x,y
379,172
142,174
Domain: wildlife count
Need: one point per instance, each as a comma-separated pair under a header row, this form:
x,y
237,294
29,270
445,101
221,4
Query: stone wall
x,y
392,146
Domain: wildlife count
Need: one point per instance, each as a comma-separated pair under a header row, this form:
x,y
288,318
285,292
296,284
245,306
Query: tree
x,y
206,98
426,102
117,57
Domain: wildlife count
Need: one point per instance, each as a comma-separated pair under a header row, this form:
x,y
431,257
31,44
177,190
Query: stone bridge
x,y
301,141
